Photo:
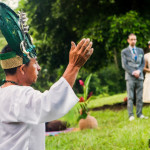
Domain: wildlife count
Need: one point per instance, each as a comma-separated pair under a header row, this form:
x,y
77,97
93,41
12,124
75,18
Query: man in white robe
x,y
23,110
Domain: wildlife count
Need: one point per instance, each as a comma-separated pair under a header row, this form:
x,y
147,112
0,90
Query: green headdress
x,y
15,31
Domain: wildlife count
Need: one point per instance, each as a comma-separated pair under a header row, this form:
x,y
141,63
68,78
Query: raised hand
x,y
80,54
77,58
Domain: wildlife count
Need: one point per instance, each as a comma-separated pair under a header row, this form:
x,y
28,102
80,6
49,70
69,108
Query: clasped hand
x,y
136,73
80,54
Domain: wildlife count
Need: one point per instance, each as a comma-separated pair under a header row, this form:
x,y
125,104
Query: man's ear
x,y
21,69
128,40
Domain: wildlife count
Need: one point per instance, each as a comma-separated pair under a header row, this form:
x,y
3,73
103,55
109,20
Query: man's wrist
x,y
70,74
71,70
73,67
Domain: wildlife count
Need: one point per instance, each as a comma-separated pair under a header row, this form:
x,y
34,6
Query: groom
x,y
133,63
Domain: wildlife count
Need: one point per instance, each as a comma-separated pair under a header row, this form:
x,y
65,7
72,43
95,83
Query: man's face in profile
x,y
132,40
31,71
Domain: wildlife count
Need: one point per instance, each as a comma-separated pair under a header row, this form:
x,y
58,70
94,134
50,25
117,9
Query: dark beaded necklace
x,y
6,81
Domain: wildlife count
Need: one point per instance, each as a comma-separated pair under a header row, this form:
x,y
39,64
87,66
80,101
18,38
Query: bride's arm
x,y
146,69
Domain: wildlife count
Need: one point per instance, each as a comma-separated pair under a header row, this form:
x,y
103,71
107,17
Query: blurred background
x,y
55,23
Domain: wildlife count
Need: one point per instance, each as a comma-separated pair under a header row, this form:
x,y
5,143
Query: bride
x,y
146,85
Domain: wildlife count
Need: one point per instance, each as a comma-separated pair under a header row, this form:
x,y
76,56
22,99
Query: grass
x,y
93,103
107,100
115,132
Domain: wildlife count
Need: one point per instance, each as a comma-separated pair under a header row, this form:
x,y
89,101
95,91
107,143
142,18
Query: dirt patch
x,y
114,107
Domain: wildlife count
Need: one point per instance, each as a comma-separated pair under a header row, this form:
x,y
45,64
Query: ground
x,y
115,131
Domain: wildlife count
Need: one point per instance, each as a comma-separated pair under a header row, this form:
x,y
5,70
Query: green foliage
x,y
107,100
54,24
2,44
94,82
122,26
85,98
96,101
2,75
53,27
83,115
46,80
86,87
107,80
112,78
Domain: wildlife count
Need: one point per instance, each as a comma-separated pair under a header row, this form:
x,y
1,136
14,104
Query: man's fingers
x,y
88,48
84,46
90,52
80,43
73,45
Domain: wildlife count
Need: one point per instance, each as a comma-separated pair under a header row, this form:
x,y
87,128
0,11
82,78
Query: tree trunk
x,y
115,58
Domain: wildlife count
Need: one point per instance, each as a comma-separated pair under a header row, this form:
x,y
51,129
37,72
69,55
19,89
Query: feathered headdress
x,y
15,31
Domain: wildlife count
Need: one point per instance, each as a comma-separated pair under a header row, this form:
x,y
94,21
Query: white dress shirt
x,y
131,49
24,111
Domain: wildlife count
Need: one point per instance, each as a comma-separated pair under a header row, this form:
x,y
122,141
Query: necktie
x,y
135,56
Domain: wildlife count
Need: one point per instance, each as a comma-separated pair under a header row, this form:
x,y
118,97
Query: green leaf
x,y
86,88
83,116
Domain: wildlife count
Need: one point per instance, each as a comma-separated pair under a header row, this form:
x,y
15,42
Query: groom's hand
x,y
136,73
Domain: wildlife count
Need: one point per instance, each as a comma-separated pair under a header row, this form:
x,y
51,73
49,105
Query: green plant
x,y
84,100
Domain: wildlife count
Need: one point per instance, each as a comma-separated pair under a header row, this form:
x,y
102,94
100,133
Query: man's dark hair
x,y
11,71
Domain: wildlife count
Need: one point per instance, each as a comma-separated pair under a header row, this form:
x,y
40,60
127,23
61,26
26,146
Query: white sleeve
x,y
34,107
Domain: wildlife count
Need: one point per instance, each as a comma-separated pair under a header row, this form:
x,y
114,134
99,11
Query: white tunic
x,y
23,112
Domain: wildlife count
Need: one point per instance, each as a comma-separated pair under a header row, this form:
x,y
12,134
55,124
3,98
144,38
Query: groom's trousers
x,y
137,86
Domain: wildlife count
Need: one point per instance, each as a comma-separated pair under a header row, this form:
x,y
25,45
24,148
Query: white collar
x,y
130,47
